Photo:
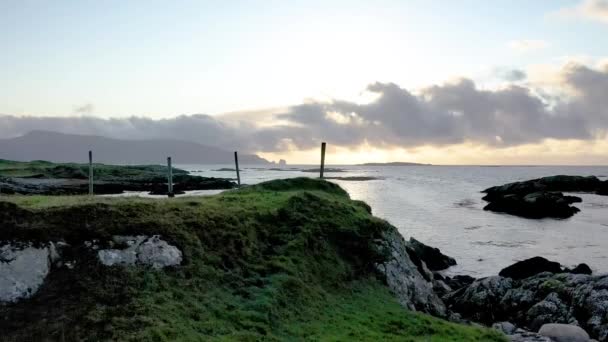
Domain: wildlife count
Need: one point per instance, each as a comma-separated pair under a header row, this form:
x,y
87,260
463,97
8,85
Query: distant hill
x,y
395,164
59,147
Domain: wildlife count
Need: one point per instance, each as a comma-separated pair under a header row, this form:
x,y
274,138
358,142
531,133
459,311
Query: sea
x,y
442,207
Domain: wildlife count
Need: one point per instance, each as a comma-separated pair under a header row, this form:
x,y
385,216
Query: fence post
x,y
322,160
170,178
238,174
91,173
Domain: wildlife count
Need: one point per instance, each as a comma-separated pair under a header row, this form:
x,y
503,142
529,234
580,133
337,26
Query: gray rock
x,y
158,253
404,279
549,310
23,269
481,299
507,328
143,250
564,332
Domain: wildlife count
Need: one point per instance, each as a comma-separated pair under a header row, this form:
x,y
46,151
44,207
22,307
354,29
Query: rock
x,y
529,267
404,279
541,197
581,269
432,257
23,269
549,310
158,253
564,333
576,299
459,281
535,205
507,328
143,250
480,300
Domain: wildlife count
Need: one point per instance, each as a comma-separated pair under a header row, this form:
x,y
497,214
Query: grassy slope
x,y
285,260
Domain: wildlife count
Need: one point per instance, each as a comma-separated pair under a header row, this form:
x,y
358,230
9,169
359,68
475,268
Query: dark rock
x,y
459,281
535,205
529,267
581,269
543,197
480,300
432,257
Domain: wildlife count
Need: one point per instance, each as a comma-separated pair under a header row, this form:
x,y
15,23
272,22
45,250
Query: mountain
x,y
395,164
59,147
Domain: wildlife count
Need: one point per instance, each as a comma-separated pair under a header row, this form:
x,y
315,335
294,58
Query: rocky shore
x,y
285,247
543,197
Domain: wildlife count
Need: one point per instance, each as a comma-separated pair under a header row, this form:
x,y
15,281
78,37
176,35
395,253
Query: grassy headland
x,y
285,260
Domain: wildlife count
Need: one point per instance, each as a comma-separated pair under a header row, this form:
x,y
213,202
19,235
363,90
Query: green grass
x,y
288,260
44,169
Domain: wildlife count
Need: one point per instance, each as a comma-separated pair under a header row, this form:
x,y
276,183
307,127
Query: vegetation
x,y
285,260
45,169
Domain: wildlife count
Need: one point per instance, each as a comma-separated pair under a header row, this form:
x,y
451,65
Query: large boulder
x,y
411,283
564,333
432,257
529,267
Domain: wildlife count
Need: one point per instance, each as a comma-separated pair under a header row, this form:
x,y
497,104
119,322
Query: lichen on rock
x,y
143,250
23,269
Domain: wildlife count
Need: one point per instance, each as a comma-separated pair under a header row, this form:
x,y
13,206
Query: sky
x,y
458,82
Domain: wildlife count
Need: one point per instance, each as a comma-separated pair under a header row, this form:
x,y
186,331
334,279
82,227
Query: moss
x,y
280,261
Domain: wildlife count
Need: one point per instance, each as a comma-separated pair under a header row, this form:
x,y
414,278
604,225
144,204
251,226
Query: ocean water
x,y
442,206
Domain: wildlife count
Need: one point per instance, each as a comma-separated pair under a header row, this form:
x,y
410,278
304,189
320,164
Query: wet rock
x,y
529,267
459,281
541,197
535,205
432,257
142,250
23,269
404,279
564,333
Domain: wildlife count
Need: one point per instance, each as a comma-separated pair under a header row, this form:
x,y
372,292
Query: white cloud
x,y
596,10
527,45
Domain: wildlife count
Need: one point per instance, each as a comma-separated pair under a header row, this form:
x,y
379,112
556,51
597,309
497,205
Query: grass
x,y
45,169
288,260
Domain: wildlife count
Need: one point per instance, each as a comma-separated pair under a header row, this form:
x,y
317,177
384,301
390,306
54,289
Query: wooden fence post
x,y
91,173
238,174
322,160
170,178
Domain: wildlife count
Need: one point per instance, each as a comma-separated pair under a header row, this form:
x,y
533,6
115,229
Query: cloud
x,y
510,75
449,114
596,10
527,45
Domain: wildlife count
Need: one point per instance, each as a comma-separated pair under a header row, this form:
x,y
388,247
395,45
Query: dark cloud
x,y
439,115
